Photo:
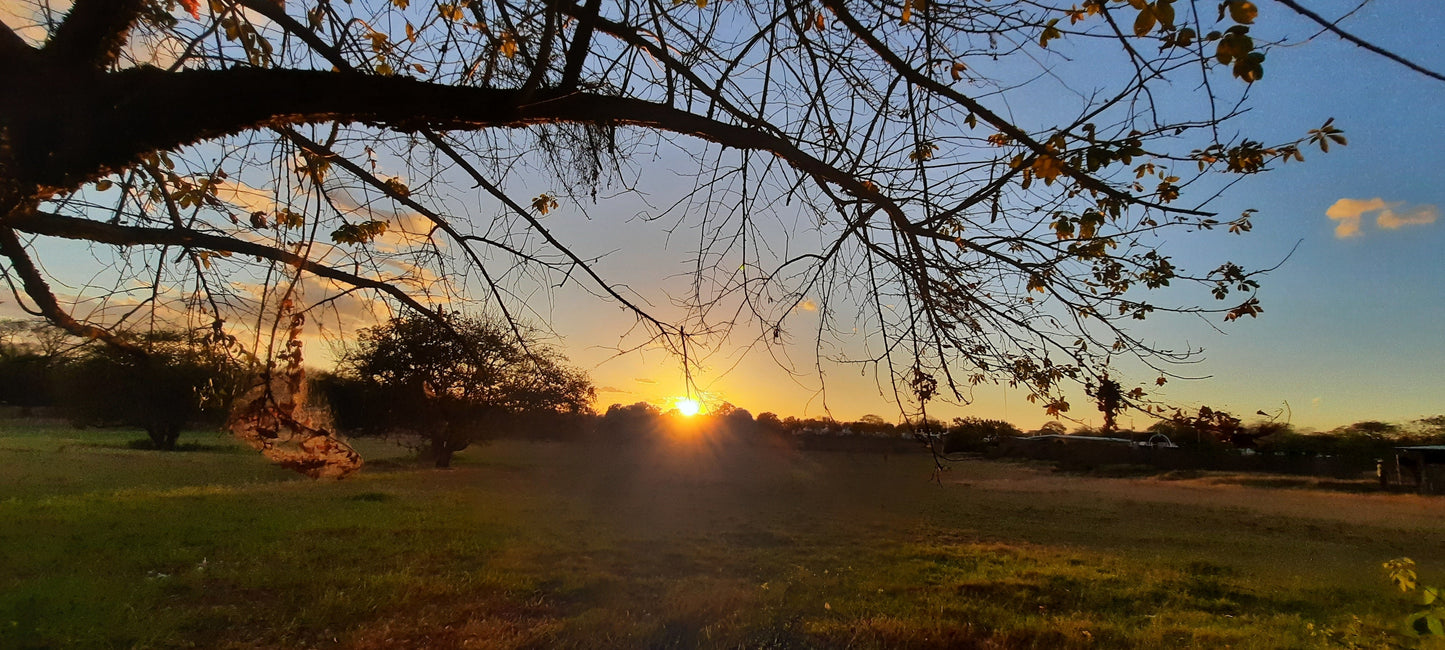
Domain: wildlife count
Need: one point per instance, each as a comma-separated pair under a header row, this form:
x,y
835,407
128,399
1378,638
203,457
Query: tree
x,y
253,163
1052,428
459,379
977,434
30,352
181,379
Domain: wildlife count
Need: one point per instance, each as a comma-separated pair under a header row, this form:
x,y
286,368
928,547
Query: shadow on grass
x,y
1273,481
1303,483
144,444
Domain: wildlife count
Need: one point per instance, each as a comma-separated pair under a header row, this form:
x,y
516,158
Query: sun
x,y
687,406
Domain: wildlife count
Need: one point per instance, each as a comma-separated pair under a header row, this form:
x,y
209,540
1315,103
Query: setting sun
x,y
688,406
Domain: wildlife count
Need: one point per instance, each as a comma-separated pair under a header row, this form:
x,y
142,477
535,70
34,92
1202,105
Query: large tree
x,y
457,380
984,187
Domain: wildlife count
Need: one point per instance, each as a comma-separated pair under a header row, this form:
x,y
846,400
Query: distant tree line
x,y
441,385
185,378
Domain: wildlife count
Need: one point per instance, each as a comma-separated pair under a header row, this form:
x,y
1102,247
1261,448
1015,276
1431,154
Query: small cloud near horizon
x,y
643,380
1350,214
611,389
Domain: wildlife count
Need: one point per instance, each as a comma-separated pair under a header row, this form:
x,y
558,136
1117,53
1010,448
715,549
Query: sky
x,y
1352,323
1354,319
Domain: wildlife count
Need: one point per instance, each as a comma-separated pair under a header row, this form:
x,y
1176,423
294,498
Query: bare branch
x,y
91,37
1334,28
54,225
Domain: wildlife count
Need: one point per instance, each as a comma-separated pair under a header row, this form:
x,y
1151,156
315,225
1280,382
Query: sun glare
x,y
688,406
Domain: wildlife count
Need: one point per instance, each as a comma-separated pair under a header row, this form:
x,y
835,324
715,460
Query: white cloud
x,y
1350,214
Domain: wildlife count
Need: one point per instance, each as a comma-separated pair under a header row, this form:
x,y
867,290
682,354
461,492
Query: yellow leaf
x,y
1243,11
397,187
1145,22
544,203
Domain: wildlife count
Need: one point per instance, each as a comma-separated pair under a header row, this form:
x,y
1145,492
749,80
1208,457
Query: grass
x,y
677,545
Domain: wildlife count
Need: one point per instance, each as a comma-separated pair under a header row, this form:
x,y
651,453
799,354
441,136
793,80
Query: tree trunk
x,y
163,436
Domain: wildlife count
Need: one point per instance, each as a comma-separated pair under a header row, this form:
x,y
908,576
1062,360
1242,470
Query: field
x,y
677,545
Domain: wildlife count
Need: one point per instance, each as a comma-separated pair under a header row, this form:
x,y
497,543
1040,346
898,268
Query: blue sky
x,y
1354,326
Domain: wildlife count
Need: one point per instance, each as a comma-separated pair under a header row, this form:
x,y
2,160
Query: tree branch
x,y
39,290
54,225
581,43
133,112
93,33
14,51
1330,26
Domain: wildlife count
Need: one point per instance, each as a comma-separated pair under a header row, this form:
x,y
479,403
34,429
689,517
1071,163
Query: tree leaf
x,y
1243,11
544,203
360,233
1051,32
1145,22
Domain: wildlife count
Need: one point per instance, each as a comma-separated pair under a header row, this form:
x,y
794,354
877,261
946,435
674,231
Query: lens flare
x,y
688,406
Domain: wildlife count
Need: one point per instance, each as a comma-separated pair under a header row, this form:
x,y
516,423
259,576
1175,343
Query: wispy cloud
x,y
1350,213
611,389
807,304
1420,215
643,380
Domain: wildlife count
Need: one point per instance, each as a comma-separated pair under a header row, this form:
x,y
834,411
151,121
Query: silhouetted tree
x,y
460,379
30,353
976,434
1053,428
179,380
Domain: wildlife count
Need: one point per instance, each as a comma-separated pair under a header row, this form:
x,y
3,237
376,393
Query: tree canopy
x,y
457,380
178,381
988,190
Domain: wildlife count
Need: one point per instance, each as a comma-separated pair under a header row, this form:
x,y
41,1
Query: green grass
x,y
675,546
